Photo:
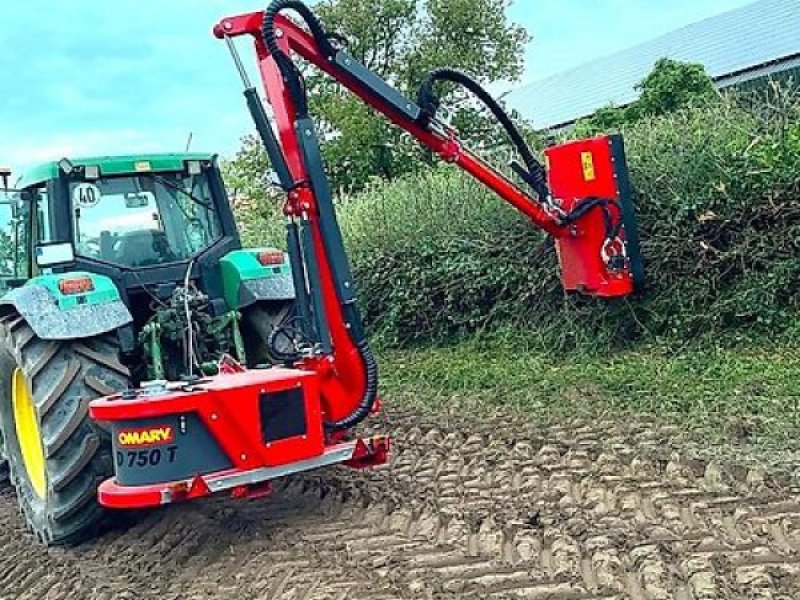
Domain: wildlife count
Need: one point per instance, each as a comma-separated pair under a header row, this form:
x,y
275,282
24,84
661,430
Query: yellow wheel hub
x,y
26,422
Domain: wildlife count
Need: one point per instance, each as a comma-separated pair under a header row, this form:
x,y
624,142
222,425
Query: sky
x,y
87,77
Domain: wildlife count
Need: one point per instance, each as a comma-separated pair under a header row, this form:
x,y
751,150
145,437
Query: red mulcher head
x,y
601,256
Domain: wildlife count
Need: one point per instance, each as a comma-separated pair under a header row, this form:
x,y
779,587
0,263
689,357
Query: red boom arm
x,y
583,250
295,39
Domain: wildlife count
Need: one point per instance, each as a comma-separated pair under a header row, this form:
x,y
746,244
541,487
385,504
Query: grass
x,y
745,397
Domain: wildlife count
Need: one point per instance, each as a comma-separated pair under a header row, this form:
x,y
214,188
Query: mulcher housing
x,y
230,432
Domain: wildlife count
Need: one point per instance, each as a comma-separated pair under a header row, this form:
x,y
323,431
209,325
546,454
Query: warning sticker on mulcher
x,y
587,161
146,436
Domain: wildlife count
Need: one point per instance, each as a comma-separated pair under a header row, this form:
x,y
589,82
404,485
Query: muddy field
x,y
503,510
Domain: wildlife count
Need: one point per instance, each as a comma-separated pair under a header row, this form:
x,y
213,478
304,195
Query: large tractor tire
x,y
4,477
56,455
258,323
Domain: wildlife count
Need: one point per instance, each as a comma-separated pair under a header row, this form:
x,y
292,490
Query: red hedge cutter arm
x,y
237,431
586,206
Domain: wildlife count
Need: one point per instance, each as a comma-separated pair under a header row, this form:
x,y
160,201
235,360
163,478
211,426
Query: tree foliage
x,y
401,40
671,85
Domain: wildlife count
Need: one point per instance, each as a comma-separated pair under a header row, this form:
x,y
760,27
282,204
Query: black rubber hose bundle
x,y
583,208
313,22
289,71
429,102
294,81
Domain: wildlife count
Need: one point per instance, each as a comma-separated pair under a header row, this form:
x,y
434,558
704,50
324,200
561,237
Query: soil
x,y
502,509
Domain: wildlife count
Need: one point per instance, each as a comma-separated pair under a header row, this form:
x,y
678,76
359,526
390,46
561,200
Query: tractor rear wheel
x,y
259,321
56,455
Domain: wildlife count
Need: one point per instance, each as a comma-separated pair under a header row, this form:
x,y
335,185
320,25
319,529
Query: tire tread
x,y
64,377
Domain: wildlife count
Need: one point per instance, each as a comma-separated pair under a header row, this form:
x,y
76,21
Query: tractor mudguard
x,y
68,306
255,275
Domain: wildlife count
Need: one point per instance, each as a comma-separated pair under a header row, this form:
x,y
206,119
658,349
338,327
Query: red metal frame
x,y
228,408
227,405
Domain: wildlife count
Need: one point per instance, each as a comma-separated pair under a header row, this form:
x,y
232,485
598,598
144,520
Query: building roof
x,y
728,45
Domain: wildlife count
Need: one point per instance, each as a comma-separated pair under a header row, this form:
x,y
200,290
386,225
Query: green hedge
x,y
718,198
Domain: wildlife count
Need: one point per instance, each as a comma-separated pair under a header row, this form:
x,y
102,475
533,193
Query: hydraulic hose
x,y
429,102
533,172
319,184
291,75
370,392
588,204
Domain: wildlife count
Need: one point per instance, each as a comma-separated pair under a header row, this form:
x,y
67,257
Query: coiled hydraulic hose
x,y
297,90
370,391
429,102
291,75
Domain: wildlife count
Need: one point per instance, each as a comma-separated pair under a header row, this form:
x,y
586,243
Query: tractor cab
x,y
12,271
157,233
144,219
141,221
122,213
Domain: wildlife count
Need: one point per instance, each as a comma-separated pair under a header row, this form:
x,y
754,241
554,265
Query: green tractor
x,y
114,272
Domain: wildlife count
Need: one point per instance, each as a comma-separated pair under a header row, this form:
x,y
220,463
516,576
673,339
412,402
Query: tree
x,y
671,85
401,40
604,119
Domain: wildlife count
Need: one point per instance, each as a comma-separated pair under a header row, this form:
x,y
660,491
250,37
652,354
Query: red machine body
x,y
595,168
231,433
237,431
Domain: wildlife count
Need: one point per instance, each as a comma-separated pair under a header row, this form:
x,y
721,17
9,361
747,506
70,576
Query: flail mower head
x,y
600,256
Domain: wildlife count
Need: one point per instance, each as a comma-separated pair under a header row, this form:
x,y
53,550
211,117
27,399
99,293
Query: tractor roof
x,y
114,165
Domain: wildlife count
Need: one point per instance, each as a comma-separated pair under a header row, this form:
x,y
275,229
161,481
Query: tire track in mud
x,y
500,509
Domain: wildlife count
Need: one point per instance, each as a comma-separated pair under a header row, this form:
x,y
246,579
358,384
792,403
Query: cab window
x,y
142,220
14,228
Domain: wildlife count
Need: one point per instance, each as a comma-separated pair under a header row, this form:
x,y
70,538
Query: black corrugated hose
x,y
429,102
289,71
370,391
297,89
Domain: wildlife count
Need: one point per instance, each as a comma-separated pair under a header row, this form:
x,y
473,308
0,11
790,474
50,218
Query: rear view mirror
x,y
5,173
51,255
